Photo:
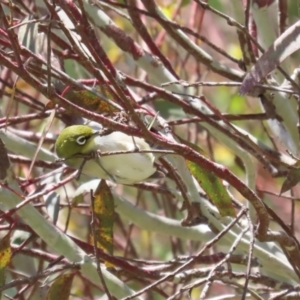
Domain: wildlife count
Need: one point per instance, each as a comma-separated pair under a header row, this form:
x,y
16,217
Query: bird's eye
x,y
81,140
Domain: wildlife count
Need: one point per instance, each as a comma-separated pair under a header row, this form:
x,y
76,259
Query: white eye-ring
x,y
81,140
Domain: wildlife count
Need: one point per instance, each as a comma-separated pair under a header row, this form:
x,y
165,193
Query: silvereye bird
x,y
124,168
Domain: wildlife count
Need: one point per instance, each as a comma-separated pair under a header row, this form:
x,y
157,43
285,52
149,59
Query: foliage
x,y
170,72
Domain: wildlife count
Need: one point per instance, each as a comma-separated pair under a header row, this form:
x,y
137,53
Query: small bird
x,y
127,168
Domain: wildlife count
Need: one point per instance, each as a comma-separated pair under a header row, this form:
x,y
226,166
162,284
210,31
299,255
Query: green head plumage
x,y
72,140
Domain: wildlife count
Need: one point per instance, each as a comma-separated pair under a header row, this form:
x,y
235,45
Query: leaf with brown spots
x,y
104,210
61,287
5,257
90,101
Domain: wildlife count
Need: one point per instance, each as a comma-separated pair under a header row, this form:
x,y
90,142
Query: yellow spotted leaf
x,y
103,210
61,287
214,189
5,257
90,101
5,251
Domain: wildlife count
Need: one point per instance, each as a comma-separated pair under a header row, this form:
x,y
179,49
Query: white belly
x,y
121,168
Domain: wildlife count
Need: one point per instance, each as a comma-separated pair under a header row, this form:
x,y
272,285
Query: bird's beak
x,y
102,132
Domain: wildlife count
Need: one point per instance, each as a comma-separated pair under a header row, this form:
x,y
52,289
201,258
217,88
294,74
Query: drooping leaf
x,y
211,184
291,180
5,251
28,34
5,257
103,209
4,161
214,189
52,206
61,287
30,37
90,101
285,45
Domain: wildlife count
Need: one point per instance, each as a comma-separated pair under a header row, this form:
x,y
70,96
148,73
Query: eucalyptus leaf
x,y
291,180
52,204
284,45
28,34
4,161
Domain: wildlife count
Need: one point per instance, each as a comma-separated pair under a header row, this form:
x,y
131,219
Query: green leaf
x,y
214,189
61,287
185,3
291,180
4,161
